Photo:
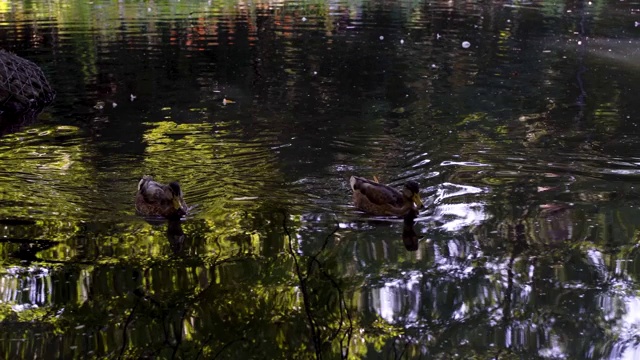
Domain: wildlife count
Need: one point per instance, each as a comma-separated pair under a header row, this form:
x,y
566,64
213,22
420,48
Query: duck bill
x,y
180,204
418,201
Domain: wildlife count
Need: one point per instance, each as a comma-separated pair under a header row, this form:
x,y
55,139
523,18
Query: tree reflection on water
x,y
524,142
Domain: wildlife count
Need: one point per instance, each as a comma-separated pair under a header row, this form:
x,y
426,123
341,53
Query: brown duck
x,y
155,199
379,199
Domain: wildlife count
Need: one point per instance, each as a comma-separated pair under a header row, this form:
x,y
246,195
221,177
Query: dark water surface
x,y
518,119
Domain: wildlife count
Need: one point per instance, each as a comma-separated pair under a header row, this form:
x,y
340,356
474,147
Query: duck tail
x,y
141,182
352,182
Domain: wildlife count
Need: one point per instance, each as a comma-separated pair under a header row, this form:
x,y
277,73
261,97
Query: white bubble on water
x,y
401,41
381,37
579,42
466,44
304,19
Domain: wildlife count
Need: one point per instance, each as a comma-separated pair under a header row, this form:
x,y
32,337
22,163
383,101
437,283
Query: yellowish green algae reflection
x,y
45,172
214,165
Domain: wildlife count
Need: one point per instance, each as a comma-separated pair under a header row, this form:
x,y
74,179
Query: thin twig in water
x,y
124,330
226,346
406,345
343,304
303,289
202,347
314,257
179,333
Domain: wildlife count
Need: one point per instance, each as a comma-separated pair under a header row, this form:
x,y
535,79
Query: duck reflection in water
x,y
409,235
176,236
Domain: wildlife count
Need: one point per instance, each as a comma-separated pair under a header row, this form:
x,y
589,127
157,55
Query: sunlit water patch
x,y
46,173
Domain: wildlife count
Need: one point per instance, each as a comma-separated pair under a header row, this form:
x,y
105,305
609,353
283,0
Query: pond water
x,y
518,119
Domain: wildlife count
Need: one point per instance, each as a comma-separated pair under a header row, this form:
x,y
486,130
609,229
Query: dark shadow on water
x,y
27,249
16,222
10,123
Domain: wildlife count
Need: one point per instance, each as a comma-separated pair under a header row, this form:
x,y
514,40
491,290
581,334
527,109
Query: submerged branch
x,y
125,336
303,289
303,278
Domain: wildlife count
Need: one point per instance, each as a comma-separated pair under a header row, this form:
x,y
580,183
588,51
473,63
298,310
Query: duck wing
x,y
153,192
376,193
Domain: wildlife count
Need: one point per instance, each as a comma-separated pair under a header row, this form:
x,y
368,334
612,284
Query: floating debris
x,y
381,37
401,41
133,97
226,101
245,198
304,19
466,44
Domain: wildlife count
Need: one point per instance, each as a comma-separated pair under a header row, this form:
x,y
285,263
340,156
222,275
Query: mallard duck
x,y
155,199
378,199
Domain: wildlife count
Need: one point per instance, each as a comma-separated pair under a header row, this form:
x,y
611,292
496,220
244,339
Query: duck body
x,y
379,199
156,199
